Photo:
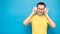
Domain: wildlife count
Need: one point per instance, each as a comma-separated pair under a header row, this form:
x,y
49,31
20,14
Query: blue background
x,y
13,13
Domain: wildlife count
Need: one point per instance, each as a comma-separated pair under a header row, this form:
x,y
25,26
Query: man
x,y
40,20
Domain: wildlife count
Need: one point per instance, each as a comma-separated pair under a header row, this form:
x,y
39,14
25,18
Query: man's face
x,y
40,9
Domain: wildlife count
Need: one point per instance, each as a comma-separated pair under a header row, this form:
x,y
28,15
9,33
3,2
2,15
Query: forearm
x,y
51,22
27,20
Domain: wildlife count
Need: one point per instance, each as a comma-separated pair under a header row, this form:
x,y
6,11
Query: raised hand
x,y
46,11
34,9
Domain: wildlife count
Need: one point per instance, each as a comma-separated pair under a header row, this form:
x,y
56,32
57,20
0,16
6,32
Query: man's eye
x,y
41,9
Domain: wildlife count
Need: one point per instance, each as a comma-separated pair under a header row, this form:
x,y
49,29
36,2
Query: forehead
x,y
40,6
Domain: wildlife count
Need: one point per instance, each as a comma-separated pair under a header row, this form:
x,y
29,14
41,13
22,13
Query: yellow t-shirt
x,y
39,24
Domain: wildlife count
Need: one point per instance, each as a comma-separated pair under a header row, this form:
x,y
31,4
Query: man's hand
x,y
34,10
46,11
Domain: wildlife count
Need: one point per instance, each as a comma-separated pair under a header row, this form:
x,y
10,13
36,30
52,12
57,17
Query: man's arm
x,y
50,20
27,20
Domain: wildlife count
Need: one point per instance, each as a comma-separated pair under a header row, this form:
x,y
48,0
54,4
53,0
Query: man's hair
x,y
41,3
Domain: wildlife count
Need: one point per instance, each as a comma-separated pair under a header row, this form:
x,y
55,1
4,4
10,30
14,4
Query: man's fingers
x,y
34,8
46,9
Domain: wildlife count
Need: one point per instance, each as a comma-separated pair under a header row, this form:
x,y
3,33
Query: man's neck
x,y
40,14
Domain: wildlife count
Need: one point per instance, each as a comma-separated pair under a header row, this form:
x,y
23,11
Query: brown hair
x,y
41,3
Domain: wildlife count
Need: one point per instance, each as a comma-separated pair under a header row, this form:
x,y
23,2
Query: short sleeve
x,y
31,19
47,20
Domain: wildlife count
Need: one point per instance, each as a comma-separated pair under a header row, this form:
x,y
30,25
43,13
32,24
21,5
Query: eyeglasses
x,y
40,8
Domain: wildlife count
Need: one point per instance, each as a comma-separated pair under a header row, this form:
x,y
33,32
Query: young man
x,y
39,21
